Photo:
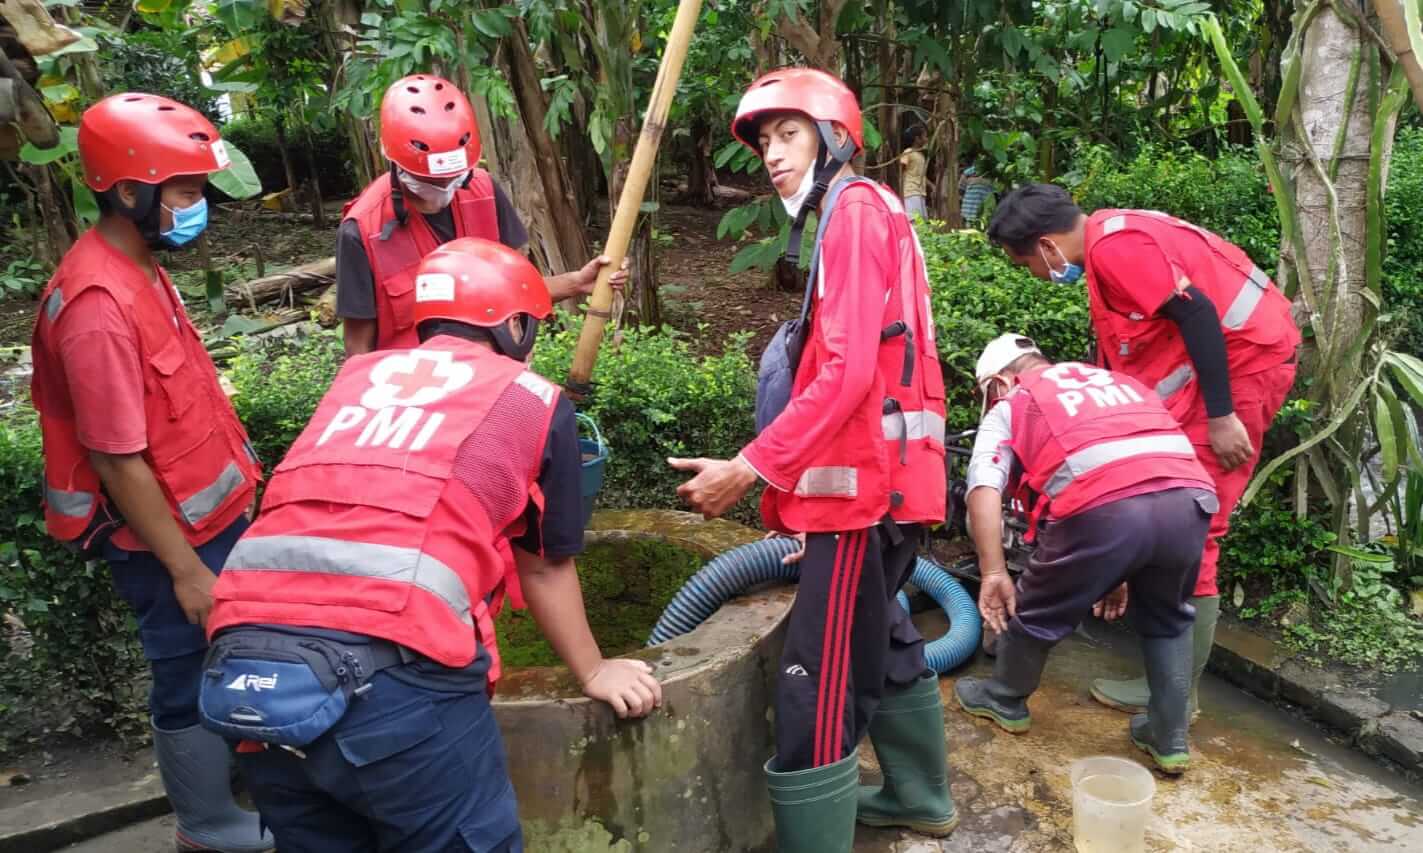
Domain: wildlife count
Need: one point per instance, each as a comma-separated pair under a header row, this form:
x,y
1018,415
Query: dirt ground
x,y
698,290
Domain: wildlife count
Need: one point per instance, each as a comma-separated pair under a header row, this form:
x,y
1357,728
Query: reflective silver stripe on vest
x,y
922,424
1114,224
1245,301
322,555
210,497
831,481
53,304
72,504
1174,381
1091,458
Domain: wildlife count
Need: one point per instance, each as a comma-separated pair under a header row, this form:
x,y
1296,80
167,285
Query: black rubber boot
x,y
1161,731
1017,671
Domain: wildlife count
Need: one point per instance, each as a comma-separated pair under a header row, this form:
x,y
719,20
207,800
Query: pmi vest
x,y
392,513
888,459
395,250
1096,432
197,448
1255,318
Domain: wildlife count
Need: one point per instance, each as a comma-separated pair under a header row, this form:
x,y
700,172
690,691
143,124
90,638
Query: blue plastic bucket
x,y
594,452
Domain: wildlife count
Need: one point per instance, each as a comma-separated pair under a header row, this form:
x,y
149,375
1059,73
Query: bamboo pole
x,y
630,202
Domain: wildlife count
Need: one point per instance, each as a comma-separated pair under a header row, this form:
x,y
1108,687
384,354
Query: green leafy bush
x,y
1403,258
1228,195
157,61
656,398
279,382
257,137
70,644
978,294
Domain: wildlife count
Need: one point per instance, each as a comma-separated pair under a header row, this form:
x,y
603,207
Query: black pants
x,y
1153,542
847,642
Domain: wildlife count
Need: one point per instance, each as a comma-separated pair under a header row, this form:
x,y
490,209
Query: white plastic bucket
x,y
1111,802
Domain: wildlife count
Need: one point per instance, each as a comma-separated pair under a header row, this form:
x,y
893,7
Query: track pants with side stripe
x,y
848,642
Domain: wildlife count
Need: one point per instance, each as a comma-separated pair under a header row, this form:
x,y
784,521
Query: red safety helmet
x,y
802,90
427,127
146,138
482,283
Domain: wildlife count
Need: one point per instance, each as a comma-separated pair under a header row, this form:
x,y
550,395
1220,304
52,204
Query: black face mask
x,y
519,349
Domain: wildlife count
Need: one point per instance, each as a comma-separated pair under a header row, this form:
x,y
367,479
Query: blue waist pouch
x,y
285,689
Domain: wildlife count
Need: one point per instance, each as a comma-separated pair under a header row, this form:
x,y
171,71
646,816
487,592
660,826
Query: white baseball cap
x,y
1001,352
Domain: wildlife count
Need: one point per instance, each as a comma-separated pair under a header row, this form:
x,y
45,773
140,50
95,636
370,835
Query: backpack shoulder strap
x,y
824,220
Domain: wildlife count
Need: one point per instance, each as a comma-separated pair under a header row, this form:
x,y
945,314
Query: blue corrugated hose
x,y
741,568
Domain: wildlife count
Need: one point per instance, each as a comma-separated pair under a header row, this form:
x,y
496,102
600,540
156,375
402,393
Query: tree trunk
x,y
701,173
1330,135
318,203
557,195
341,20
281,286
946,193
53,211
279,126
614,24
889,125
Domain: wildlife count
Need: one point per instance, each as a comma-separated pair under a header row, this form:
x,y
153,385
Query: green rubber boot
x,y
908,736
815,809
1161,731
1132,694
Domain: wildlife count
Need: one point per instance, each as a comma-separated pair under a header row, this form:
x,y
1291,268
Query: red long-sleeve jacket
x,y
863,435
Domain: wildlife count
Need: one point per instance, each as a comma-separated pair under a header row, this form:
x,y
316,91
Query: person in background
x,y
914,168
1188,315
435,192
1127,505
353,631
146,463
854,461
976,194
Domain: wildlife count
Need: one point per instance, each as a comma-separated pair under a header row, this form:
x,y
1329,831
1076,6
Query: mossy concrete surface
x,y
688,778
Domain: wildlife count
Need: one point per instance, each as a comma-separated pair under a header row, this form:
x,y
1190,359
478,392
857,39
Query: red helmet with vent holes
x,y
146,138
800,90
427,127
479,282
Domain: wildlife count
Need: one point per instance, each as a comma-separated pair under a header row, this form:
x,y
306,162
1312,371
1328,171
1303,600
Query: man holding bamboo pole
x,y
435,193
852,449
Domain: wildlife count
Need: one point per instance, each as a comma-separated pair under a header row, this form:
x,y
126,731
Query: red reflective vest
x,y
395,251
1096,432
197,448
374,523
1255,316
888,457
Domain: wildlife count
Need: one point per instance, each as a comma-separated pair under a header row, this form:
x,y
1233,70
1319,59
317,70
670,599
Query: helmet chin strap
x,y
830,158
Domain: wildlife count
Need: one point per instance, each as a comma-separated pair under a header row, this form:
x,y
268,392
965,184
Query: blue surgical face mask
x,y
188,223
1069,273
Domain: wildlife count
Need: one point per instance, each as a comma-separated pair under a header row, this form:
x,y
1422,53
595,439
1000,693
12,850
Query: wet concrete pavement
x,y
1262,780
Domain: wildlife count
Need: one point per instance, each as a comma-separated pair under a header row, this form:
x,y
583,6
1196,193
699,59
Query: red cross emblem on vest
x,y
1077,376
415,378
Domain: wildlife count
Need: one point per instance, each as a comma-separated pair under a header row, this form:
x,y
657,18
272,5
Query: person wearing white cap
x,y
1127,507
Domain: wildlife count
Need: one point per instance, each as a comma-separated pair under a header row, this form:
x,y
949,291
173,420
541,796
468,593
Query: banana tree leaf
x,y
238,180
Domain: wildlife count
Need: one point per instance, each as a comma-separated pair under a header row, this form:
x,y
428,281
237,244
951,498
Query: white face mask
x,y
797,200
439,197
